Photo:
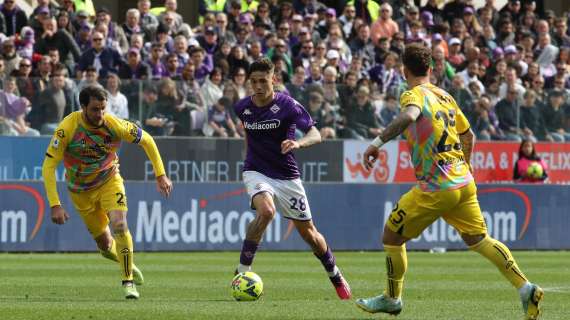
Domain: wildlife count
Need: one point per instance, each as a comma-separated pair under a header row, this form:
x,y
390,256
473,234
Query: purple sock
x,y
248,252
328,260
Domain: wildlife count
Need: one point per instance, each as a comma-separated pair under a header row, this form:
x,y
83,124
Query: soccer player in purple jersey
x,y
270,173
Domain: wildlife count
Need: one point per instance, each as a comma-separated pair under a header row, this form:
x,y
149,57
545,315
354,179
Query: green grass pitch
x,y
190,285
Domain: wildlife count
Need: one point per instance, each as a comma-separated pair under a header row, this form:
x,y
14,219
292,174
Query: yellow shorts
x,y
94,205
416,210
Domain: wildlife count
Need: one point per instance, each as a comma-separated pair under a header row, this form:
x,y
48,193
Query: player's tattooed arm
x,y
313,136
408,115
467,140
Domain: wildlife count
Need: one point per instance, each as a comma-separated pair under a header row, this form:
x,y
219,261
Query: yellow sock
x,y
396,266
125,248
501,256
111,254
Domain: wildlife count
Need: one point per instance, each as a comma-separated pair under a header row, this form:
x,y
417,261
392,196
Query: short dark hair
x,y
417,58
261,64
91,92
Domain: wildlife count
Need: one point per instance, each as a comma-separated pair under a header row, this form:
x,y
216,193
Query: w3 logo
x,y
380,172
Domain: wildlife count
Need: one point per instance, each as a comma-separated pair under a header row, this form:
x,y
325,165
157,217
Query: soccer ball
x,y
247,286
535,170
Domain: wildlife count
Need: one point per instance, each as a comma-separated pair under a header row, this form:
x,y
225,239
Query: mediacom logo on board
x,y
19,205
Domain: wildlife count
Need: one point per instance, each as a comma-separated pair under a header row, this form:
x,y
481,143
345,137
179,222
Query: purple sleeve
x,y
301,119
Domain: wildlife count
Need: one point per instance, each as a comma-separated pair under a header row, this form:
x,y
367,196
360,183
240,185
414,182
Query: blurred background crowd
x,y
506,67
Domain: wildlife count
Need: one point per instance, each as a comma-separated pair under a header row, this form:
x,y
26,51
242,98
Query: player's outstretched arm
x,y
58,214
408,115
467,140
163,183
313,136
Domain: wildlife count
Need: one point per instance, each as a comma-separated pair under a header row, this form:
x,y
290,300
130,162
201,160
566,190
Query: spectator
x,y
237,60
561,37
10,57
507,113
554,116
43,72
361,122
212,89
347,19
346,91
384,27
470,75
330,88
83,38
222,28
481,121
172,65
531,120
390,110
188,87
512,81
220,120
64,23
158,69
322,113
104,59
546,54
456,58
148,22
115,35
60,39
90,78
238,79
14,17
53,104
527,158
386,76
315,75
156,122
461,95
363,46
132,24
13,110
178,23
134,68
117,103
297,87
28,87
202,65
174,108
25,43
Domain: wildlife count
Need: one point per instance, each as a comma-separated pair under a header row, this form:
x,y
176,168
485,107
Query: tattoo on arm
x,y
467,142
402,121
312,137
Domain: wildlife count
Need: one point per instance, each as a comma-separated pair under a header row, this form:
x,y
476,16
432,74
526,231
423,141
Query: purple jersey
x,y
266,128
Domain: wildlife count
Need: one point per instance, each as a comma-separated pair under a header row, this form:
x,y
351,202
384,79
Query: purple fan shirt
x,y
266,128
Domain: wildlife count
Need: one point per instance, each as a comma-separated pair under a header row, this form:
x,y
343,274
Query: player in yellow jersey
x,y
441,142
87,142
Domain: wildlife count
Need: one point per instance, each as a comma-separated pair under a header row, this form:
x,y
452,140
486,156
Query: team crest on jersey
x,y
258,186
274,108
246,112
55,143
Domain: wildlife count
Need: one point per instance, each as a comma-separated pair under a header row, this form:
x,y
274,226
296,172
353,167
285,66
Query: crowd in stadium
x,y
507,68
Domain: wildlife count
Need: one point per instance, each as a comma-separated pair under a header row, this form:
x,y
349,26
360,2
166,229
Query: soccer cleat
x,y
138,277
380,304
341,286
531,302
130,290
